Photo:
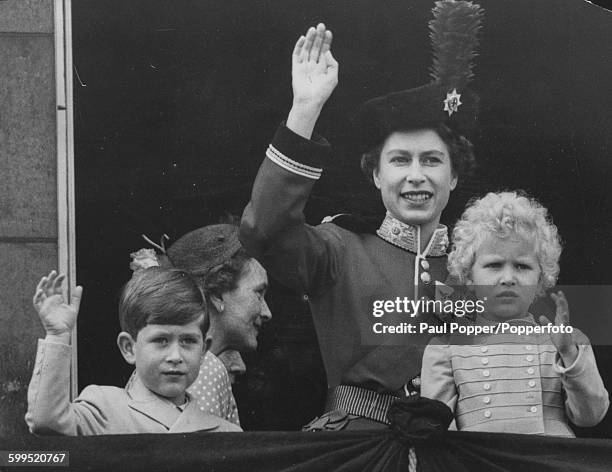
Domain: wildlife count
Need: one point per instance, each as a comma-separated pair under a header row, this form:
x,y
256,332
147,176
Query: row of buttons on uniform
x,y
487,373
425,277
532,409
487,386
527,347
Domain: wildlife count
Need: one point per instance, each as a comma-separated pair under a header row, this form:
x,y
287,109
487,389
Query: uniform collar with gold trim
x,y
406,237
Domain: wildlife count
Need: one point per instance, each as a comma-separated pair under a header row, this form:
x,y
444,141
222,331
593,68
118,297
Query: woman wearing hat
x,y
234,285
415,159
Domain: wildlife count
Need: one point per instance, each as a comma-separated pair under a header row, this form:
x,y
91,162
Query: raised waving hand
x,y
314,73
57,315
564,342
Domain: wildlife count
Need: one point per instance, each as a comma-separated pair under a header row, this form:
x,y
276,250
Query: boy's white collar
x,y
140,393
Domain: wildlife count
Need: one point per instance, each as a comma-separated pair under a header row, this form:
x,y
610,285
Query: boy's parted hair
x,y
505,214
162,296
460,149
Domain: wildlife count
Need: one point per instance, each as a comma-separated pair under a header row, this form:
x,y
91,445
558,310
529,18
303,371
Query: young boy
x,y
507,251
162,318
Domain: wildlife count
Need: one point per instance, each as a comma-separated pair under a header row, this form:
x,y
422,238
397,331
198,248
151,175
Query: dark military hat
x,y
444,100
204,248
421,107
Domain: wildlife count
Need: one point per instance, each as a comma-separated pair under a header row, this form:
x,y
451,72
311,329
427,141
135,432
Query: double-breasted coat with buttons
x,y
514,384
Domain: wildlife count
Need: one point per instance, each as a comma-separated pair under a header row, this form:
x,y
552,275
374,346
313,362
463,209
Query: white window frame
x,y
65,161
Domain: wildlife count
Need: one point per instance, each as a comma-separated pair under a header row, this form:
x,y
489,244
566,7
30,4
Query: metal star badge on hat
x,y
452,102
453,33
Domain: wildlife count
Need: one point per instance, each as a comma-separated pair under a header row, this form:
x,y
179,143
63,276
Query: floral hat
x,y
196,252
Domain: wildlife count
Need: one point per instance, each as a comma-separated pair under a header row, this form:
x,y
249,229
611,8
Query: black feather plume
x,y
454,38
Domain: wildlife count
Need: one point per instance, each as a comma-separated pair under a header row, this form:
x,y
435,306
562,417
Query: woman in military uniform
x,y
415,158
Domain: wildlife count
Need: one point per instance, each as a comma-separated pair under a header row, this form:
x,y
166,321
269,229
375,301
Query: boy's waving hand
x,y
56,314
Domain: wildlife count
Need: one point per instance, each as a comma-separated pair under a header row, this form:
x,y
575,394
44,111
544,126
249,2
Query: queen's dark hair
x,y
460,149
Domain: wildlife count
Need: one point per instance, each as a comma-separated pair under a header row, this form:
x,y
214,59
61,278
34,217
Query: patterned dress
x,y
213,390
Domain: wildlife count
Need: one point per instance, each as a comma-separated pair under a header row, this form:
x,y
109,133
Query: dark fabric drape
x,y
323,451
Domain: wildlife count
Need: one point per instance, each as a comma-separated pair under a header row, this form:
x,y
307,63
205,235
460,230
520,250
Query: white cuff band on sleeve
x,y
292,166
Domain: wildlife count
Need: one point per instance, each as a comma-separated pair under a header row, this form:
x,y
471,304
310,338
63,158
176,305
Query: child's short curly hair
x,y
505,214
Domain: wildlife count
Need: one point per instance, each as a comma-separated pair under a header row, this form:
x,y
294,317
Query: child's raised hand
x,y
57,316
564,342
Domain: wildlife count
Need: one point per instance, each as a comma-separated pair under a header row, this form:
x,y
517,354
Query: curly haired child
x,y
506,250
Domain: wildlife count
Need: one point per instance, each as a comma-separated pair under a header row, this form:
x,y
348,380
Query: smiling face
x,y
507,273
245,308
167,357
414,176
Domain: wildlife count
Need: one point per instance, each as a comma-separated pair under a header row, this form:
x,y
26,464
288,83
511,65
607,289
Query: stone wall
x,y
28,189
